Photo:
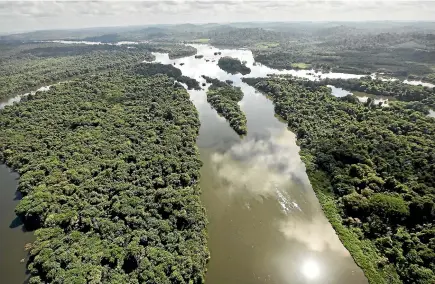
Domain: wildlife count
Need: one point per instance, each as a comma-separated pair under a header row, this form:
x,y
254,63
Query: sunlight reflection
x,y
310,269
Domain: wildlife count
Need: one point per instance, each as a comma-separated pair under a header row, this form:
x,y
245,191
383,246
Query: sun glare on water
x,y
310,269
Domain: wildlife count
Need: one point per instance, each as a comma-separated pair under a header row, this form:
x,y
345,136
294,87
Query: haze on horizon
x,y
46,15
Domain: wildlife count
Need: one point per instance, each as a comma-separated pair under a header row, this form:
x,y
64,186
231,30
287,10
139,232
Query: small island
x,y
224,98
233,65
151,69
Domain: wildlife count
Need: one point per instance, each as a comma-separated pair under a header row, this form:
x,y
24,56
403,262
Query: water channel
x,y
266,225
265,222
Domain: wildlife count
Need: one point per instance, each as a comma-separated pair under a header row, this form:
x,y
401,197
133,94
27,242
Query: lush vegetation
x,y
373,169
215,83
395,89
224,98
390,48
109,169
26,68
109,174
233,65
428,78
149,69
173,50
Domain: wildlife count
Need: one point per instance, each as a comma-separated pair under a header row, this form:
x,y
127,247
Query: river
x,y
266,225
265,222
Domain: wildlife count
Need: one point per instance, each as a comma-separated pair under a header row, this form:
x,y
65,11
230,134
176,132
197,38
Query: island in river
x,y
224,98
233,65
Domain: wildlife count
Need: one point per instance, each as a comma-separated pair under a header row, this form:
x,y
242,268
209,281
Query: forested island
x,y
373,171
224,98
149,69
109,172
233,65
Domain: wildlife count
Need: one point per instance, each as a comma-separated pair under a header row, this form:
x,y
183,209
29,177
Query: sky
x,y
18,16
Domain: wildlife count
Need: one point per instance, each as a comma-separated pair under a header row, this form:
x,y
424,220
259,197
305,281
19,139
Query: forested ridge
x,y
224,98
373,170
109,172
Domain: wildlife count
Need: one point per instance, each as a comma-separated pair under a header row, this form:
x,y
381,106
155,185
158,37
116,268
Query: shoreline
x,y
363,253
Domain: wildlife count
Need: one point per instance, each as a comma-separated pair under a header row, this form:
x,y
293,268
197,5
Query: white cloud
x,y
21,15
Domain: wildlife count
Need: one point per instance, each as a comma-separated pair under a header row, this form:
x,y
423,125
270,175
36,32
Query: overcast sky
x,y
32,15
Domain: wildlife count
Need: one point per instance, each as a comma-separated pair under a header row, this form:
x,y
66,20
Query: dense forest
x,y
149,69
233,65
373,170
41,66
25,67
395,89
109,172
224,98
421,97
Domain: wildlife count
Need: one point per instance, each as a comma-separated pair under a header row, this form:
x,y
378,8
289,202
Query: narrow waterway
x,y
266,225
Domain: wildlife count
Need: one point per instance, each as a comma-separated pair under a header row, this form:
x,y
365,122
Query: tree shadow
x,y
18,195
16,223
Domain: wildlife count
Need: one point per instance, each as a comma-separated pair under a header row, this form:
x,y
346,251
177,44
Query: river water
x,y
13,236
266,225
265,222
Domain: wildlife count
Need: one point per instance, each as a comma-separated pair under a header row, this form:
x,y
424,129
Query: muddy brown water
x,y
266,224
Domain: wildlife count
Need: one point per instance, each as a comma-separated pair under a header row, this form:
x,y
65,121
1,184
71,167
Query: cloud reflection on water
x,y
261,167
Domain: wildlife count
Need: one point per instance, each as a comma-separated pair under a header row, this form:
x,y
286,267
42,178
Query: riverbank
x,y
363,252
